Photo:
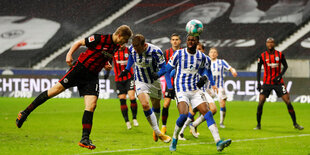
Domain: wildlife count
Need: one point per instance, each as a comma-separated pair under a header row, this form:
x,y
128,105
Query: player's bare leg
x,y
262,99
87,121
165,113
286,99
183,111
222,112
55,90
133,107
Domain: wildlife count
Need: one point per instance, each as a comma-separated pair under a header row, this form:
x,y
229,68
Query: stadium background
x,y
35,38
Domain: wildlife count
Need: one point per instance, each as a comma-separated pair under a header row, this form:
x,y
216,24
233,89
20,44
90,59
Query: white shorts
x,y
209,98
153,90
194,98
221,94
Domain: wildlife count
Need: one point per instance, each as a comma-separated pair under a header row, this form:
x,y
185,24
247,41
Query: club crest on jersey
x,y
171,58
126,55
277,58
91,38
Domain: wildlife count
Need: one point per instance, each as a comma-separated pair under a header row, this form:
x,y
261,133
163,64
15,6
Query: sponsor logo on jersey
x,y
273,65
277,58
66,80
91,38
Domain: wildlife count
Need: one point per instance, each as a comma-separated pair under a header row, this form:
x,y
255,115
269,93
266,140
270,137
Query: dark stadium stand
x,y
300,49
237,28
19,18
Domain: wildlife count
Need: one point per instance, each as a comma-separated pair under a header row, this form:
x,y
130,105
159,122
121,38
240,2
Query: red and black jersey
x,y
120,60
100,50
167,54
272,65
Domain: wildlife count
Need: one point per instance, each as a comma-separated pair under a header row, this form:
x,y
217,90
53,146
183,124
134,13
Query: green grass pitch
x,y
55,128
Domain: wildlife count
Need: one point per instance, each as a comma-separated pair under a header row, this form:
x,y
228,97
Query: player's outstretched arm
x,y
233,72
169,69
73,48
127,69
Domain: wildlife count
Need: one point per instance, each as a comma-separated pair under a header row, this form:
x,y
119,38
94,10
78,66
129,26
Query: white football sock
x,y
187,122
176,131
215,132
198,121
222,116
153,122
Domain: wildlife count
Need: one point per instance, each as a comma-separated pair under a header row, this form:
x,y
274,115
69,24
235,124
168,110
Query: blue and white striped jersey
x,y
147,63
217,68
188,65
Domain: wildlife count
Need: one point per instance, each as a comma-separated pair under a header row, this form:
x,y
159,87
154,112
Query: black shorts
x,y
279,89
78,75
167,95
122,87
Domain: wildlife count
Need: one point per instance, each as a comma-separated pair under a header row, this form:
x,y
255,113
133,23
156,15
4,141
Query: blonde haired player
x,y
217,68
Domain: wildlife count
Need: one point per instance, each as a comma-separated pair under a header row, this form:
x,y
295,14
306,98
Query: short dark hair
x,y
138,39
192,35
175,35
202,46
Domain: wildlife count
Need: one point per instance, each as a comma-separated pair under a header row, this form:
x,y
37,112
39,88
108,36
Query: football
x,y
194,27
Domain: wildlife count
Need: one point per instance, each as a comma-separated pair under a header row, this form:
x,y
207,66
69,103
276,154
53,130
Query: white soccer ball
x,y
194,27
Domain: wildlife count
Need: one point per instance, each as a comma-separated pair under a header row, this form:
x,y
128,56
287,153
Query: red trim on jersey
x,y
68,72
120,59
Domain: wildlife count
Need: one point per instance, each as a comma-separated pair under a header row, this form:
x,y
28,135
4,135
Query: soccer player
x,y
193,63
210,103
125,85
272,60
84,75
217,67
175,41
147,59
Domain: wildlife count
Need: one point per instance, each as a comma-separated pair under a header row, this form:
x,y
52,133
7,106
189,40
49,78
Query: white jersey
x,y
217,68
188,64
147,63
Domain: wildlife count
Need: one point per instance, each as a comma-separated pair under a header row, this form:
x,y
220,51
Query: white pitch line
x,y
160,12
233,141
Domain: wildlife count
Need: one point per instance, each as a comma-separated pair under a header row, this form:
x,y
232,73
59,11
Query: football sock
x,y
212,126
291,112
180,122
157,113
187,122
198,121
36,102
150,116
87,122
222,114
134,108
164,115
124,109
259,113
